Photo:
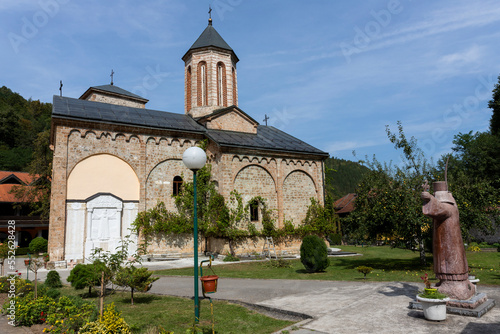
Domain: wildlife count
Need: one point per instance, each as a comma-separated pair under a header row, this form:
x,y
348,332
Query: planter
x,y
434,309
27,262
209,283
430,290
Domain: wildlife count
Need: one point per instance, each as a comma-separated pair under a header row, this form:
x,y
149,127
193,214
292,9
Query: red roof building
x,y
26,227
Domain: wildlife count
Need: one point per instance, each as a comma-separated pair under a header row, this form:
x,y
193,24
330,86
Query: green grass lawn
x,y
389,264
177,314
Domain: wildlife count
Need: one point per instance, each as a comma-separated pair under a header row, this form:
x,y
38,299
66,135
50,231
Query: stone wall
x,y
121,101
183,246
286,181
231,121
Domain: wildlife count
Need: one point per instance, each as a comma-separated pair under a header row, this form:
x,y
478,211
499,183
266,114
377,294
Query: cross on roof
x,y
266,118
60,87
111,75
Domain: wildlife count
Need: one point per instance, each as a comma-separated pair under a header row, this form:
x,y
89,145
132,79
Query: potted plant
x,y
433,302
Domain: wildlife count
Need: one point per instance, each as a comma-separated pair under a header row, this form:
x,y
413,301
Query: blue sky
x,y
332,73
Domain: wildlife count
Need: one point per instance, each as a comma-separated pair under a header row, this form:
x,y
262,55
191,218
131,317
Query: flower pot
x,y
434,309
209,283
27,262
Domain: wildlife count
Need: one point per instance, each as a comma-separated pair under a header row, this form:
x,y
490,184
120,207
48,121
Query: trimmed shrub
x,y
71,313
314,254
31,311
53,293
53,279
38,245
110,323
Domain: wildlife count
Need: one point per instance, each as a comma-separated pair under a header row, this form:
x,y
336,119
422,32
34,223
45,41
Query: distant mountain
x,y
342,176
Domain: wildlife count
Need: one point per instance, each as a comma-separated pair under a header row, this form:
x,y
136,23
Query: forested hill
x,y
342,176
21,121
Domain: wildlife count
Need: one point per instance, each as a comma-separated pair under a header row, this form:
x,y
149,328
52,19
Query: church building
x,y
113,157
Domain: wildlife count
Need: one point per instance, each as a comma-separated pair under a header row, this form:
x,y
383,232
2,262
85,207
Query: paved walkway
x,y
334,307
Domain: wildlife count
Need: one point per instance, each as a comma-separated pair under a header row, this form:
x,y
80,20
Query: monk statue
x,y
450,262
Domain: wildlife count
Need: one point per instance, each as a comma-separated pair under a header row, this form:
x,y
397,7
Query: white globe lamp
x,y
194,158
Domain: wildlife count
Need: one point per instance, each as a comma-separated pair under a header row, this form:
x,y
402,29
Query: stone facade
x,y
115,100
99,212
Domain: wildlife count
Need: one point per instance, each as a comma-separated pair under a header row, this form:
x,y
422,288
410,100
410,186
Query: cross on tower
x,y
111,75
265,119
60,87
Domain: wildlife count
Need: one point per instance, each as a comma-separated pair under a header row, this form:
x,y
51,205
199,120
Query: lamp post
x,y
195,158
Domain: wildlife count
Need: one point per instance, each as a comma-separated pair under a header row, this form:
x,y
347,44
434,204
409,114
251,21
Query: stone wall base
x,y
182,246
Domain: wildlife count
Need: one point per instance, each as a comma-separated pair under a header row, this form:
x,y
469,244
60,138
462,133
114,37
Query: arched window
x,y
188,88
177,185
235,92
254,211
202,84
221,85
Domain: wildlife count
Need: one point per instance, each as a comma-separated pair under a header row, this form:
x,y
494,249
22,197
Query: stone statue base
x,y
477,306
459,290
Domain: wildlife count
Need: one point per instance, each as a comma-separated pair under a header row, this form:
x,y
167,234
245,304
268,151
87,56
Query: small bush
x,y
38,245
473,248
30,311
53,293
230,258
111,322
279,263
71,313
314,254
364,270
53,279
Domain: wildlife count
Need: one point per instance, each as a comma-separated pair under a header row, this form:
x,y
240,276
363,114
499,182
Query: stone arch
x,y
159,185
298,188
102,173
255,180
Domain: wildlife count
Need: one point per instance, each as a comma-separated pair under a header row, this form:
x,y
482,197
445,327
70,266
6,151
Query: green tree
x,y
388,205
38,245
494,104
84,276
137,279
321,220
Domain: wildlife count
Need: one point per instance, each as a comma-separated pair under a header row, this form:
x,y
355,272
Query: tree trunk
x,y
132,295
36,285
102,294
231,247
90,291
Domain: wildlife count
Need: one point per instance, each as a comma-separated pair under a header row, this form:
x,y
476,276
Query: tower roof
x,y
210,37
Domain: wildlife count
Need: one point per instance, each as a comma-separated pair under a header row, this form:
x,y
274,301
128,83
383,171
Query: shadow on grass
x,y
303,271
384,263
143,299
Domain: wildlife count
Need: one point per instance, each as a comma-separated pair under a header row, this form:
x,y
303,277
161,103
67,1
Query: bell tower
x,y
210,81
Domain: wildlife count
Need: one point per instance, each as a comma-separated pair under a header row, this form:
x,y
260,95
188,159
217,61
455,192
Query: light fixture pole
x,y
195,158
